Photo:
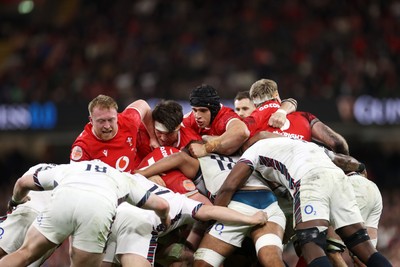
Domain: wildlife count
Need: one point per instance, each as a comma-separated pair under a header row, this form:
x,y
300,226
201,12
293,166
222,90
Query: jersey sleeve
x,y
46,179
249,157
79,150
132,114
138,195
311,118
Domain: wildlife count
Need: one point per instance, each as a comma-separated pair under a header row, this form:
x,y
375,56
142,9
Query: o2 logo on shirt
x,y
122,163
309,210
219,227
1,232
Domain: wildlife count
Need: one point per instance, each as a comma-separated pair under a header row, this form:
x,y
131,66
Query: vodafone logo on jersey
x,y
122,163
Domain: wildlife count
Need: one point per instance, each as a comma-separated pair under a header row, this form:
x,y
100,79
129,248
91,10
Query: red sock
x,y
301,262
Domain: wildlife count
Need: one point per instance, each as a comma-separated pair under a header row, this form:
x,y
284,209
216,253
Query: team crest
x,y
189,185
129,140
76,153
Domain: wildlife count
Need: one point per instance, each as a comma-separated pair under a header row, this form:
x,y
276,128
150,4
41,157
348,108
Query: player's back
x,y
282,157
89,176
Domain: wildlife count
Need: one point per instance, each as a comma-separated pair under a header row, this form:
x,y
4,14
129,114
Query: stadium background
x,y
339,59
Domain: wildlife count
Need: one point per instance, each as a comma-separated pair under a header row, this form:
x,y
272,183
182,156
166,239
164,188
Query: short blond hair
x,y
263,90
103,102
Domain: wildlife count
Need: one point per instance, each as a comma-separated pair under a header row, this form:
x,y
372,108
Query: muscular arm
x,y
231,140
145,112
226,144
226,215
235,180
324,134
345,162
21,189
188,165
160,207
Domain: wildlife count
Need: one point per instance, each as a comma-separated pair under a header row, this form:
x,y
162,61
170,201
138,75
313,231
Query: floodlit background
x,y
340,60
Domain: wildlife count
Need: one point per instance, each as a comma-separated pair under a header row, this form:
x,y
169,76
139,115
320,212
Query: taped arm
x,y
20,192
231,140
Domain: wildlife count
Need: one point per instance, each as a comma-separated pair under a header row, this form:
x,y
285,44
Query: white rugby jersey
x,y
93,176
38,199
215,168
286,161
182,209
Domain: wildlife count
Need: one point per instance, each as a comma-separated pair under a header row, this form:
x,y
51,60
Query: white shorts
x,y
136,230
132,232
234,234
329,196
14,228
87,219
369,200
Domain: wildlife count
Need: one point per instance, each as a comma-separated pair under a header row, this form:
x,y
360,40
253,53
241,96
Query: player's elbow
x,y
163,207
340,146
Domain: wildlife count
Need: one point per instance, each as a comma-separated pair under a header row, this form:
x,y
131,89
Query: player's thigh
x,y
36,244
268,228
80,258
14,228
134,260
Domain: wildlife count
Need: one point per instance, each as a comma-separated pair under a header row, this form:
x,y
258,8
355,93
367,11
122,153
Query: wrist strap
x,y
281,111
13,202
361,167
211,145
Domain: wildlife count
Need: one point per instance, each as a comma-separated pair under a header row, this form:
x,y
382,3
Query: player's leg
x,y
268,242
357,240
80,258
34,246
311,237
212,252
134,260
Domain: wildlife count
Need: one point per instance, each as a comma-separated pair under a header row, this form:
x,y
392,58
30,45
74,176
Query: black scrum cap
x,y
206,96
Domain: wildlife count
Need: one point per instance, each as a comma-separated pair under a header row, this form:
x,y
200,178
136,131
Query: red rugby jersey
x,y
119,152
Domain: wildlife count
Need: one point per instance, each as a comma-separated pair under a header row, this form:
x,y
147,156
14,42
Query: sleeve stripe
x,y
144,199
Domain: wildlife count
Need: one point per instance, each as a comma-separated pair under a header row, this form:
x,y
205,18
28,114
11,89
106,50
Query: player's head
x,y
264,90
243,104
103,114
167,116
205,103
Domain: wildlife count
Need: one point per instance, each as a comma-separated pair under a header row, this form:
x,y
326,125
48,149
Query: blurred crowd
x,y
72,50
